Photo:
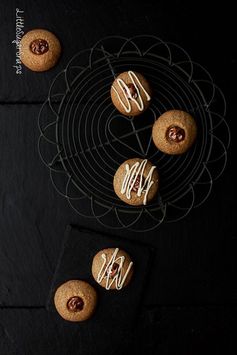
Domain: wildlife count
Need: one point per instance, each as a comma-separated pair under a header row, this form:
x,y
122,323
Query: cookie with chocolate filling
x,y
131,93
75,300
136,182
112,268
174,132
39,50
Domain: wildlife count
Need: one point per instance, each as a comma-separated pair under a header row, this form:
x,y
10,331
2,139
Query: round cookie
x,y
136,182
75,300
174,132
39,50
112,268
131,93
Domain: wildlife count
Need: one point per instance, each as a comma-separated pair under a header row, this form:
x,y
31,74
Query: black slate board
x,y
115,308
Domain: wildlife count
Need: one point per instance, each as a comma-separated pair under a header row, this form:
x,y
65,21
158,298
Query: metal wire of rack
x,y
83,139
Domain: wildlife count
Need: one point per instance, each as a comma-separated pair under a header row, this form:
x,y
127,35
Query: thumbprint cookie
x,y
136,182
174,132
112,268
39,50
131,93
75,300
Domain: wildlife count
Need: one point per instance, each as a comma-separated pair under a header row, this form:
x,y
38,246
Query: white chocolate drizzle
x,y
137,170
107,269
127,94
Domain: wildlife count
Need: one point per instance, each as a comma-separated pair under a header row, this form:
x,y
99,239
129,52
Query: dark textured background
x,y
190,303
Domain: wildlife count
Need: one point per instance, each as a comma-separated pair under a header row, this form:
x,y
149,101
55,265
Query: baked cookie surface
x,y
75,300
112,268
131,93
136,182
39,50
174,132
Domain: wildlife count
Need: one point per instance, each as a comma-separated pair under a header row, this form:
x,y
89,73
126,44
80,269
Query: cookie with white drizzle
x,y
112,268
136,182
131,93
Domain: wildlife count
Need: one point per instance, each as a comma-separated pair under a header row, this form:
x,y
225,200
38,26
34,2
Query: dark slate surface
x,y
191,293
171,330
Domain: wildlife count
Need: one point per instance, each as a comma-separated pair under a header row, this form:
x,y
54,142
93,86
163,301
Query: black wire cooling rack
x,y
83,138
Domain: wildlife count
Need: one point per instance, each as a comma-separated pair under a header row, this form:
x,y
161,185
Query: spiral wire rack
x,y
83,138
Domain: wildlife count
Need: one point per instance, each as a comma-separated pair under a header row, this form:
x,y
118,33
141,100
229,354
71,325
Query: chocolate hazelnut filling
x,y
136,184
75,304
39,46
175,134
113,270
132,90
